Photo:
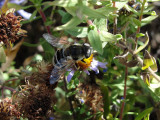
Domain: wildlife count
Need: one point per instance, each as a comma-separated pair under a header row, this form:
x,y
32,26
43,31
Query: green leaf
x,y
65,3
143,46
65,16
105,94
120,4
107,10
2,55
101,24
140,35
149,61
69,25
136,21
144,114
148,19
33,15
107,37
95,41
13,5
79,32
91,12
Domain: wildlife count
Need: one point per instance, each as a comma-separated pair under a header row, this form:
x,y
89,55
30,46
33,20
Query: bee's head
x,y
87,50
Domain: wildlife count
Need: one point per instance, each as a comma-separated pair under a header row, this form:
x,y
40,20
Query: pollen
x,y
85,63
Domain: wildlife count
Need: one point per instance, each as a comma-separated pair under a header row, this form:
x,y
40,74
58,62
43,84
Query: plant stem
x,y
123,46
9,88
115,20
14,79
140,19
124,96
69,99
44,20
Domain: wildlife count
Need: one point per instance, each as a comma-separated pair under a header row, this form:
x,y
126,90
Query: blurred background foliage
x,y
107,25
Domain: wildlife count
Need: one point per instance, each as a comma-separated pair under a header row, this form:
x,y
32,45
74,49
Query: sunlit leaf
x,y
144,114
2,55
4,7
79,32
149,61
148,19
16,6
95,41
143,46
70,24
11,54
107,37
154,66
65,3
91,12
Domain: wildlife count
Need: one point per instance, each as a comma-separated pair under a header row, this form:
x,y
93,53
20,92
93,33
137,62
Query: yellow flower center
x,y
85,63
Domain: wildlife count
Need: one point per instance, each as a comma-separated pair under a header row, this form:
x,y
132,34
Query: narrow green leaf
x,y
136,21
107,37
2,55
33,15
120,4
154,66
105,94
65,3
149,61
95,41
144,114
140,35
106,10
148,19
79,32
143,46
92,12
13,5
69,25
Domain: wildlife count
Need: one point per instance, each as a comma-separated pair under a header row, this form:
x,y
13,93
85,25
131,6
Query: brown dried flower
x,y
90,94
9,27
8,110
35,101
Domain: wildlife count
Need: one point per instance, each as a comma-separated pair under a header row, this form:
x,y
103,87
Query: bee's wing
x,y
54,41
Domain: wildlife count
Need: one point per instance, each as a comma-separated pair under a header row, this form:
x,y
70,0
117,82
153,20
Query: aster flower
x,y
87,64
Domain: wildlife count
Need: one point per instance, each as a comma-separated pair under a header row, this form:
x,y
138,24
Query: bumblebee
x,y
66,57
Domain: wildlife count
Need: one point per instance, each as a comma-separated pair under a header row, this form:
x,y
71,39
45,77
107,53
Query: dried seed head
x,y
8,110
41,75
90,95
35,101
9,28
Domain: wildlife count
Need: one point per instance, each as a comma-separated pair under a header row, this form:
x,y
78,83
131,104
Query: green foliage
x,y
113,29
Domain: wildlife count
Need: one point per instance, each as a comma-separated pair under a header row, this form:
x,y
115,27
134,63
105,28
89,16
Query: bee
x,y
66,57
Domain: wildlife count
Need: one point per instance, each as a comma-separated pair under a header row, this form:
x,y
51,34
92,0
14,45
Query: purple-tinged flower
x,y
89,63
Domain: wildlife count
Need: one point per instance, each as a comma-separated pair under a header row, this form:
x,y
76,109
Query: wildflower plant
x,y
119,80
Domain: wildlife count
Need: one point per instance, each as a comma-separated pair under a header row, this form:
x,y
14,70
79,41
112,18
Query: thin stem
x,y
124,96
123,46
14,79
44,20
69,99
9,88
2,93
115,20
140,19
